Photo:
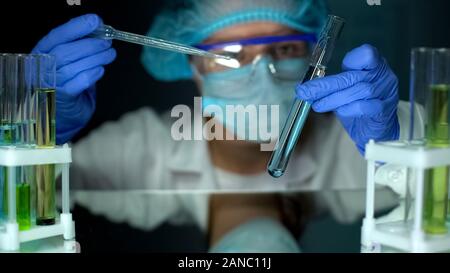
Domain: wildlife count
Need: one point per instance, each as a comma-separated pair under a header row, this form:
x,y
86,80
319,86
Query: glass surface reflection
x,y
134,221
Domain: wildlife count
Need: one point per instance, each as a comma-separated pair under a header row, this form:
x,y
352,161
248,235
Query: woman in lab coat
x,y
138,152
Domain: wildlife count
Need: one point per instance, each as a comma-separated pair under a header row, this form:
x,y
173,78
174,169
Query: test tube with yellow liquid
x,y
45,138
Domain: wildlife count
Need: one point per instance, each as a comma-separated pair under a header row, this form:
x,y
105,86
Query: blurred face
x,y
247,54
268,59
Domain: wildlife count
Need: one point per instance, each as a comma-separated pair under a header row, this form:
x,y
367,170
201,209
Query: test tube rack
x,y
10,236
406,236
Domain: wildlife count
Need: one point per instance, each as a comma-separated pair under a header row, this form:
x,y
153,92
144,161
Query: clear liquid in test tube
x,y
299,111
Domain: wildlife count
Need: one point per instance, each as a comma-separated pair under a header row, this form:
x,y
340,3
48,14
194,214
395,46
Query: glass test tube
x,y
16,74
430,94
25,182
437,135
45,96
300,109
417,97
8,88
8,95
45,138
26,112
23,199
2,106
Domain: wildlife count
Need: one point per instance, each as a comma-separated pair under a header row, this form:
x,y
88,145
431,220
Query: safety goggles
x,y
247,52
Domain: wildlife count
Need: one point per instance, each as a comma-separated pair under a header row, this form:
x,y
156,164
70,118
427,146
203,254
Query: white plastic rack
x,y
63,231
407,236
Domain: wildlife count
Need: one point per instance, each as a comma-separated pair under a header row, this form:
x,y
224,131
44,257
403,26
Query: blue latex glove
x,y
364,97
80,63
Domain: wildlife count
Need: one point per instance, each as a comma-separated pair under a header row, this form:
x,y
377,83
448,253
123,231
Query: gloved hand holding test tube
x,y
300,109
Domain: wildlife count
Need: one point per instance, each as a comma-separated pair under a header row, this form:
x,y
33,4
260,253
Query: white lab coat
x,y
138,153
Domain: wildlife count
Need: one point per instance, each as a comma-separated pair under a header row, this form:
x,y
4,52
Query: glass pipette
x,y
300,109
108,32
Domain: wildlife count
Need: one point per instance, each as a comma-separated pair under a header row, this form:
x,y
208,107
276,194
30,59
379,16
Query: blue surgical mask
x,y
262,83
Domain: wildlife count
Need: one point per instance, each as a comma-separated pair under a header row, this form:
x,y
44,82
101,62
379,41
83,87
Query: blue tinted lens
x,y
310,38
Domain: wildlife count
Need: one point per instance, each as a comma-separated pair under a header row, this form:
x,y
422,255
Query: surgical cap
x,y
192,21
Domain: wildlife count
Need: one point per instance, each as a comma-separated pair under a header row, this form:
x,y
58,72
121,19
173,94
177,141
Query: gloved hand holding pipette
x,y
80,64
364,97
82,48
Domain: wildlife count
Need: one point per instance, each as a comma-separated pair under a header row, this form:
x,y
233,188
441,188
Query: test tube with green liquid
x,y
12,89
16,74
23,201
437,135
23,198
437,179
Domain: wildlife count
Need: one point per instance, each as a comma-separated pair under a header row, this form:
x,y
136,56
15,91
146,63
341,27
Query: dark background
x,y
394,28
